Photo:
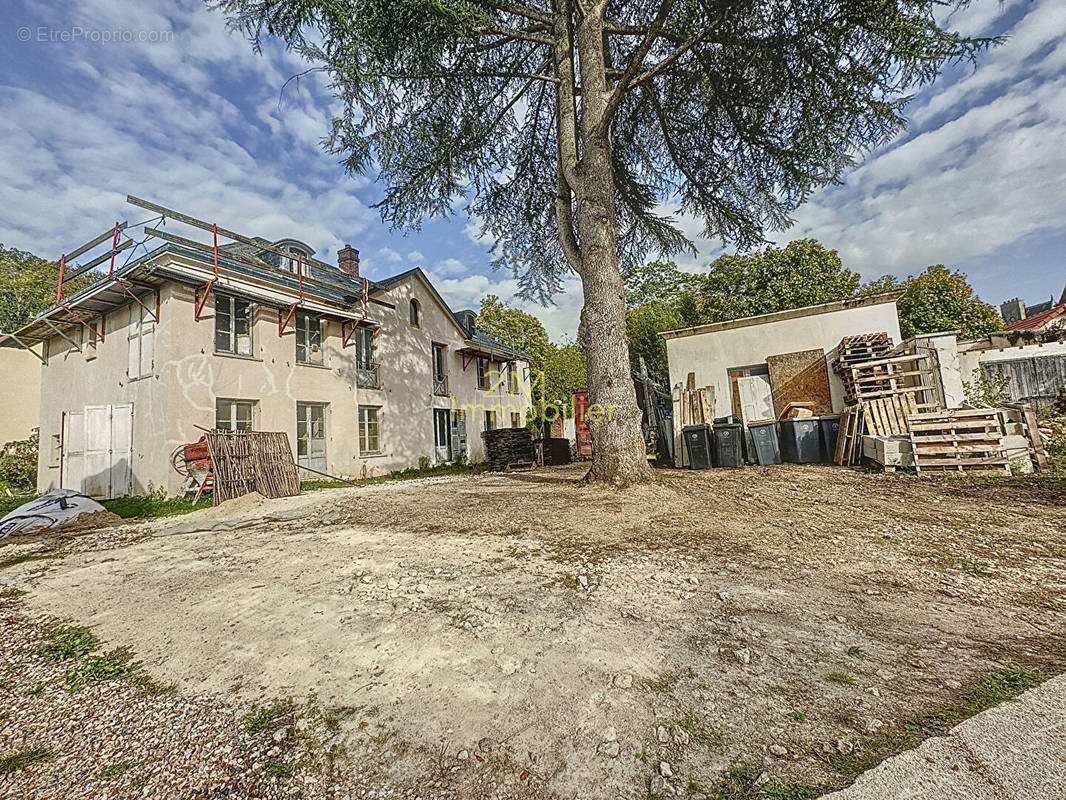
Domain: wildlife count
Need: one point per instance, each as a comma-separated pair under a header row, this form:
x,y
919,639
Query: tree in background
x,y
27,287
939,299
567,124
643,326
803,273
557,370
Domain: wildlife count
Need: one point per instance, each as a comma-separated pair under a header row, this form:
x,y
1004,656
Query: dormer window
x,y
416,314
290,263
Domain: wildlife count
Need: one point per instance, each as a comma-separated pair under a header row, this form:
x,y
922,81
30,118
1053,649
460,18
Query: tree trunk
x,y
618,441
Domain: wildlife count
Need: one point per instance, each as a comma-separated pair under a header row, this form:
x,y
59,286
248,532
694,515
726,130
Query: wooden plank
x,y
845,421
676,415
1036,441
706,397
89,245
800,377
959,413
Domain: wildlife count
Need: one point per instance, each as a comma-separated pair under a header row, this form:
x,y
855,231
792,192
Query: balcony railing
x,y
440,385
367,376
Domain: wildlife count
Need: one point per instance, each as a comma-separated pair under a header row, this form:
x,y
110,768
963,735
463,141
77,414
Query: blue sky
x,y
101,98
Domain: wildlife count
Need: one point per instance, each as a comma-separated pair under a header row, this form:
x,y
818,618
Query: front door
x,y
458,435
311,436
442,434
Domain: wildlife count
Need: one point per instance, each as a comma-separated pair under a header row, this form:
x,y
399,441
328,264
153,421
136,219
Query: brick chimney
x,y
348,260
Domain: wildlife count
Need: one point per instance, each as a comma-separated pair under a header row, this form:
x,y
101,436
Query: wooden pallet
x,y
887,416
886,377
857,349
1032,430
959,440
849,438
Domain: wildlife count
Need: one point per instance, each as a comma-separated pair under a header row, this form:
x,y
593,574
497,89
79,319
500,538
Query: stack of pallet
x,y
509,448
959,440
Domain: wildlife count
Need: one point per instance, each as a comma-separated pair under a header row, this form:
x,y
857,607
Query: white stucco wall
x,y
712,353
20,394
188,377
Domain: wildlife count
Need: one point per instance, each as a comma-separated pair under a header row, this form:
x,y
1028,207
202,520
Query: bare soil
x,y
526,635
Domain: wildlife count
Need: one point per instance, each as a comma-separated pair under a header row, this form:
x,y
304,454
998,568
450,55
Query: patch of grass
x,y
21,759
313,486
336,752
280,769
513,531
94,669
37,691
115,770
742,783
696,732
67,643
150,686
974,567
153,506
840,678
22,558
264,718
796,716
1053,605
9,594
999,687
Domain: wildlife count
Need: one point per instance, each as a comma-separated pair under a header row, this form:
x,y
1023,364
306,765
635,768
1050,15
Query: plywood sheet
x,y
800,377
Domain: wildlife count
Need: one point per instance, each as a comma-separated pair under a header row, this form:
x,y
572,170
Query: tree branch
x,y
636,60
663,65
522,11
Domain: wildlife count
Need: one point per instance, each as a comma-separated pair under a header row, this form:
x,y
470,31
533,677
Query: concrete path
x,y
1015,751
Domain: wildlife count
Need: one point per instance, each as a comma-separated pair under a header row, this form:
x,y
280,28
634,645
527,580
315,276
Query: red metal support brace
x,y
198,304
283,323
347,337
114,252
62,269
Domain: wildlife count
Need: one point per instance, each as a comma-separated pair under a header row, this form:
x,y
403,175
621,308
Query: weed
x,y
796,716
115,770
111,665
336,752
36,691
269,717
663,684
840,678
696,732
974,567
10,594
514,531
280,769
13,762
67,643
333,718
743,783
517,552
856,652
1053,605
150,686
641,757
22,558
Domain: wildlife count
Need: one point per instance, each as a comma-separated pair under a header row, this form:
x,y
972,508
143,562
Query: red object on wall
x,y
581,425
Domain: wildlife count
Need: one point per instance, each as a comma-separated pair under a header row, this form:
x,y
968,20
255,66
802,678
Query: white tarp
x,y
52,510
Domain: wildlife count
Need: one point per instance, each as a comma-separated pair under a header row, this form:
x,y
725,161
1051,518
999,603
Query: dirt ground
x,y
525,635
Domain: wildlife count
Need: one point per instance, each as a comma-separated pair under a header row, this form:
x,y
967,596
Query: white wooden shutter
x,y
121,450
72,464
97,480
756,399
147,359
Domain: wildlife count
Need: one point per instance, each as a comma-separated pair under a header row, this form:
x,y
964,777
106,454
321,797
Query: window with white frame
x,y
233,325
234,415
366,362
141,341
308,339
369,443
482,373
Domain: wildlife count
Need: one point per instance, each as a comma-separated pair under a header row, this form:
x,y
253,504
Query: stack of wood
x,y
959,440
904,374
691,406
509,448
858,349
252,461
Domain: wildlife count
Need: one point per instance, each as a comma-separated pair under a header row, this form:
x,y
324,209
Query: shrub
x,y
1055,443
987,390
18,465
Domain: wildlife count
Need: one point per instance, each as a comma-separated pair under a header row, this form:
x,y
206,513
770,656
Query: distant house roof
x,y
1039,320
476,337
792,313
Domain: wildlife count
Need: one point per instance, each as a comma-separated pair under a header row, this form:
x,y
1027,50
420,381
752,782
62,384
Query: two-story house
x,y
365,377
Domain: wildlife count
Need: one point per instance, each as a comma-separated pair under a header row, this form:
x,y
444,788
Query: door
x,y
97,455
311,436
442,434
457,433
72,463
756,399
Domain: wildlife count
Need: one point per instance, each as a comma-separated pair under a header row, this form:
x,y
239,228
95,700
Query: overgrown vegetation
x,y
271,717
18,466
154,505
115,770
1055,443
21,759
987,390
744,783
22,558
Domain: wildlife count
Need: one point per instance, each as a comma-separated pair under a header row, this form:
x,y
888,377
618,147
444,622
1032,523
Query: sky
x,y
100,98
